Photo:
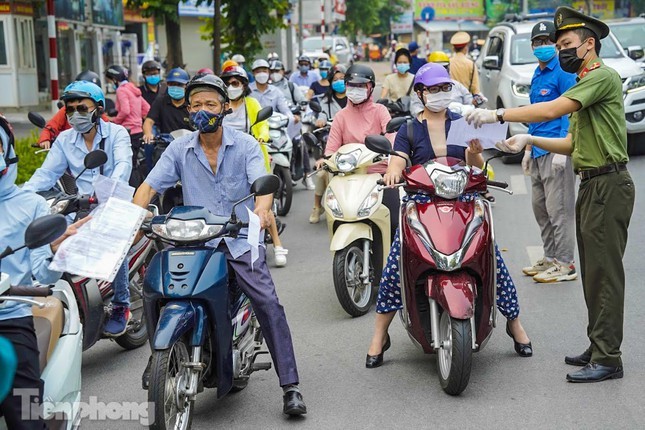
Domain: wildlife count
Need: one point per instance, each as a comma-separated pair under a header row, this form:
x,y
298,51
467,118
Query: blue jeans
x,y
121,285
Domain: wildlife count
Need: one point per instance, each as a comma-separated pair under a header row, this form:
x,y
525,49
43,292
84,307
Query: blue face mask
x,y
544,53
153,80
206,122
176,93
324,74
304,69
338,86
403,67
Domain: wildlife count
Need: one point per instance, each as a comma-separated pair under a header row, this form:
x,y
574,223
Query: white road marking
x,y
518,184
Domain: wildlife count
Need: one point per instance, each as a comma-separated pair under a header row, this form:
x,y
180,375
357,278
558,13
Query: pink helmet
x,y
431,74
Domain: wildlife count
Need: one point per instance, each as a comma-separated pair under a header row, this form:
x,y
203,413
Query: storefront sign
x,y
496,9
108,12
448,9
70,10
190,8
402,24
603,9
18,8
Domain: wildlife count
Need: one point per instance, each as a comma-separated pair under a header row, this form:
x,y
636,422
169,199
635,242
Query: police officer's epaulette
x,y
586,70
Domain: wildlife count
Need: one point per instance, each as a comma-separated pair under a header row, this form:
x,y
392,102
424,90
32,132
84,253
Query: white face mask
x,y
262,78
356,95
235,93
438,102
276,77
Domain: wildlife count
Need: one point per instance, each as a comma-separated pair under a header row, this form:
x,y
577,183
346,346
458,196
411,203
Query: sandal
x,y
489,197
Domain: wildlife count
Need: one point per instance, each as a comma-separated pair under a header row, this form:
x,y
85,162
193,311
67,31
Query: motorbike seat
x,y
48,323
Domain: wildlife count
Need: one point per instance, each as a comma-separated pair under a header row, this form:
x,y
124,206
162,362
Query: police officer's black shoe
x,y
578,360
594,372
293,402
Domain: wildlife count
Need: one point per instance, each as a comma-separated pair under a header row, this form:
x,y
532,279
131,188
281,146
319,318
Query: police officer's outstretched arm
x,y
51,170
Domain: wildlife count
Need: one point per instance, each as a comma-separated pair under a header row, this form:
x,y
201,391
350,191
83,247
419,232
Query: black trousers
x,y
20,332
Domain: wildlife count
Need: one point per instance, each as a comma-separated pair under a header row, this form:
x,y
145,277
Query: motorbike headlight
x,y
186,230
521,90
636,82
449,185
57,207
370,201
347,162
332,203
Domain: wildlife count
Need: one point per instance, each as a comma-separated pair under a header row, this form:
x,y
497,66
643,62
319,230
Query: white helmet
x,y
260,63
238,58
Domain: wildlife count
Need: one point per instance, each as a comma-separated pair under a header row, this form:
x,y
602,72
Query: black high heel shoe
x,y
522,349
373,361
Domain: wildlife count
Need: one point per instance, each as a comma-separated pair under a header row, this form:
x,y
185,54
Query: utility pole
x,y
53,52
300,29
217,35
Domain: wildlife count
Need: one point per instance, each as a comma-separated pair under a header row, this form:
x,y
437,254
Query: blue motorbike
x,y
206,332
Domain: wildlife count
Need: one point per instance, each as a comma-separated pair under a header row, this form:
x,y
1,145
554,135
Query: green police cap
x,y
567,18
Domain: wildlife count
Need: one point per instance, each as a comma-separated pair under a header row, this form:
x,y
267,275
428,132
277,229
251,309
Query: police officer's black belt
x,y
602,170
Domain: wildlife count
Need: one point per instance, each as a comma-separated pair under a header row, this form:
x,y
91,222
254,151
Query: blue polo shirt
x,y
547,85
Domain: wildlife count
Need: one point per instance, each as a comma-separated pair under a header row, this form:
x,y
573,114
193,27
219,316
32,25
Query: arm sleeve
x,y
255,163
145,108
122,105
592,89
41,257
283,107
52,168
335,139
166,172
122,153
55,125
155,109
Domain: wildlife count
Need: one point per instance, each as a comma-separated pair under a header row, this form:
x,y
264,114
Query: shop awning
x,y
439,26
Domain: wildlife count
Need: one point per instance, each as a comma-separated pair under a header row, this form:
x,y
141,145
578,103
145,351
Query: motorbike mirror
x,y
264,114
395,124
37,119
265,185
383,102
310,140
496,154
379,144
112,113
315,106
40,232
95,159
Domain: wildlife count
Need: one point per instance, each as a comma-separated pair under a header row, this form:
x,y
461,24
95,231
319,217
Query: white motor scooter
x,y
58,330
280,148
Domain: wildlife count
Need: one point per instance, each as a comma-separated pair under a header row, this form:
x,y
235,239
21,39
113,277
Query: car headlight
x,y
332,203
57,207
186,230
370,201
449,185
636,82
521,90
347,162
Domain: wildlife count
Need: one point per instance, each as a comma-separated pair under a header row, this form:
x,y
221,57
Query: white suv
x,y
507,63
312,47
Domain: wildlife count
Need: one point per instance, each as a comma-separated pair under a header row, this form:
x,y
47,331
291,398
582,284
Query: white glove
x,y
460,109
514,144
559,161
526,163
479,117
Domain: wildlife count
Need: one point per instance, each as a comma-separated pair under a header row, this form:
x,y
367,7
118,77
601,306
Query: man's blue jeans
x,y
121,286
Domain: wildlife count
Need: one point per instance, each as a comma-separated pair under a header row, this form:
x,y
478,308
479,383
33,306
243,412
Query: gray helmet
x,y
260,63
210,81
276,65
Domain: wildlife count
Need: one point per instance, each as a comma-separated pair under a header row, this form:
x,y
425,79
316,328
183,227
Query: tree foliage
x,y
371,16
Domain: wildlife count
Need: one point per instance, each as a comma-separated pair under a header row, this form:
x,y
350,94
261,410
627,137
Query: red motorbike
x,y
448,266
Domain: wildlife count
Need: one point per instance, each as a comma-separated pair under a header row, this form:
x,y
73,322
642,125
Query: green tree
x,y
167,12
371,16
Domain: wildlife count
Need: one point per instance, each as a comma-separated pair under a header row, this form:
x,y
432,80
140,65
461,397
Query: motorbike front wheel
x,y
455,353
285,192
167,391
354,295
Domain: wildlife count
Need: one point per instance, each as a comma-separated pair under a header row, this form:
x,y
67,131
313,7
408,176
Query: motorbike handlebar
x,y
497,184
29,291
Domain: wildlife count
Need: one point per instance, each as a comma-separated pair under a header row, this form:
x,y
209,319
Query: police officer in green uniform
x,y
597,143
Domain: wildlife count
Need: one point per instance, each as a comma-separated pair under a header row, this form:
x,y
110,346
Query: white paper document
x,y
100,246
489,134
253,237
105,187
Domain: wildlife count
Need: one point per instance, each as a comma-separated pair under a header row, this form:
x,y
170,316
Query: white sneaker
x,y
540,266
314,218
309,183
557,273
280,254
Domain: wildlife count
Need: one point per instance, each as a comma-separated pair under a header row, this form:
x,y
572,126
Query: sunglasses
x,y
234,84
81,109
446,88
540,42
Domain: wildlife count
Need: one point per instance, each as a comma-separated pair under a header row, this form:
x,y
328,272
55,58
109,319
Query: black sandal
x,y
489,197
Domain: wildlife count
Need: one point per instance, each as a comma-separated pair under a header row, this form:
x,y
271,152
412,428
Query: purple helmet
x,y
431,74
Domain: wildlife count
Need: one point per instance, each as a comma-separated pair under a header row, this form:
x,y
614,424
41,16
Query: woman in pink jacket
x,y
352,124
132,110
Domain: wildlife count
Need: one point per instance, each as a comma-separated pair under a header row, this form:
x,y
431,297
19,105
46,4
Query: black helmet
x,y
89,76
304,59
210,81
116,72
276,65
150,66
360,74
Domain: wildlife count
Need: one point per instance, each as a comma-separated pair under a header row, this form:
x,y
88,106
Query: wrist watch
x,y
500,115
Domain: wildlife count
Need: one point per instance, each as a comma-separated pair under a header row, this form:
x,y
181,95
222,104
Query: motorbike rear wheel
x,y
285,193
454,357
354,296
173,409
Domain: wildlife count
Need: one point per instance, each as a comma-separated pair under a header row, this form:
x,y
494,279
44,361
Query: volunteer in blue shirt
x,y
84,104
306,76
417,61
552,176
19,208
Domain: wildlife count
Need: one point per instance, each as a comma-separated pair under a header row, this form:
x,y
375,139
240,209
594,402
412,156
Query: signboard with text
x,y
402,24
603,9
448,9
